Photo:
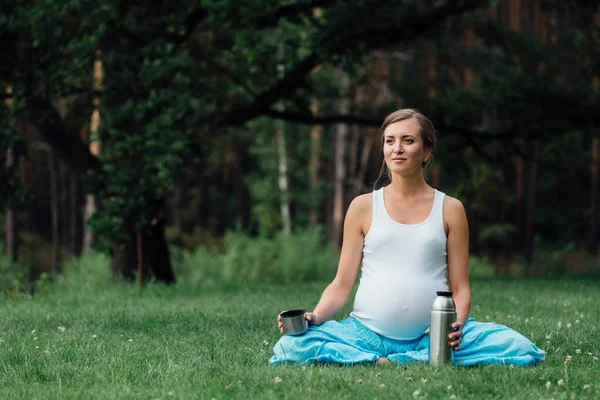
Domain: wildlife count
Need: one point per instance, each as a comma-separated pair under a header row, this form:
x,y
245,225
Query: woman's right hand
x,y
310,317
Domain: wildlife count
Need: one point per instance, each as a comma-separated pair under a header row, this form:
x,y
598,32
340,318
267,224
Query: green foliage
x,y
481,267
13,277
13,193
553,263
186,84
301,257
497,238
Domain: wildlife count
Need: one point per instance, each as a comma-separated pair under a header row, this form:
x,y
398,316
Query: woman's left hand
x,y
455,337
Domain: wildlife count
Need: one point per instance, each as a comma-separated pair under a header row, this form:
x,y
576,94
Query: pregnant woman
x,y
408,236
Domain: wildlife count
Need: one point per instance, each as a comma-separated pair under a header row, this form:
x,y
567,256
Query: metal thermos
x,y
443,314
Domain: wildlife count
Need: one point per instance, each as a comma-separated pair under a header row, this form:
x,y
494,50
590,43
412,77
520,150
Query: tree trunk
x,y
353,160
65,206
529,232
53,166
435,176
314,167
364,161
76,238
12,230
281,155
283,182
175,212
592,235
341,133
154,250
95,150
519,203
241,193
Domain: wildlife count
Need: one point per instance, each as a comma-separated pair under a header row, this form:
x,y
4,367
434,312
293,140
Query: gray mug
x,y
294,322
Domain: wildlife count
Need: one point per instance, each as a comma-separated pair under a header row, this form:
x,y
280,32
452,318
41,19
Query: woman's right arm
x,y
336,294
357,222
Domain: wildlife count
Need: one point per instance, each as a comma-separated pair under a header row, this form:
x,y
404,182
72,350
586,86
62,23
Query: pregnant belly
x,y
398,310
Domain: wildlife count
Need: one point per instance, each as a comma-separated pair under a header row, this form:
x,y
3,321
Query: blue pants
x,y
350,342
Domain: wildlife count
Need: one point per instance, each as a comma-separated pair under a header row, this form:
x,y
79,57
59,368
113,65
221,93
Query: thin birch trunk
x,y
314,167
341,133
282,158
283,182
95,149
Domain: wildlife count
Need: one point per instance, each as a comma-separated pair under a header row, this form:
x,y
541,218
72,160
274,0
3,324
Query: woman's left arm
x,y
458,262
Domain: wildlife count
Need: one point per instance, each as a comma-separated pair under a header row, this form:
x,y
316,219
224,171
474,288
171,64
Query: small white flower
x,y
409,379
35,338
278,380
131,340
561,382
586,386
577,321
382,385
265,342
61,328
487,317
170,394
549,336
37,347
569,358
360,381
452,396
548,343
594,359
548,385
416,393
569,326
578,351
509,316
33,331
449,387
94,336
590,353
559,324
526,320
581,315
423,380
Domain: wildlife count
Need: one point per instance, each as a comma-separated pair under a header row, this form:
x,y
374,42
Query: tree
x,y
180,76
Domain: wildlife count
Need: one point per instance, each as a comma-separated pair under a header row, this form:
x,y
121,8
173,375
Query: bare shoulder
x,y
359,212
362,203
454,212
453,206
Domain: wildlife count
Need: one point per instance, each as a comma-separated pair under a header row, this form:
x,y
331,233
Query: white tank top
x,y
402,268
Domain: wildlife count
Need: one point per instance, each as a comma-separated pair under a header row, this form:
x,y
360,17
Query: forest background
x,y
230,137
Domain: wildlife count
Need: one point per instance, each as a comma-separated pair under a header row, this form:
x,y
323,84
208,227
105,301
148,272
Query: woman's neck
x,y
408,186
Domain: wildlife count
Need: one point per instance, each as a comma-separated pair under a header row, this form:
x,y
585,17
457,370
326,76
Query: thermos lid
x,y
444,302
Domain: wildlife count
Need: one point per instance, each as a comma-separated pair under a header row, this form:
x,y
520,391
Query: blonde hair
x,y
427,134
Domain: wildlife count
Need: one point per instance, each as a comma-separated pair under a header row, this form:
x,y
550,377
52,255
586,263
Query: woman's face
x,y
403,148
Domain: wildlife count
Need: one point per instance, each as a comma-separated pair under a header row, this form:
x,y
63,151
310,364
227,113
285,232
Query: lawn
x,y
94,339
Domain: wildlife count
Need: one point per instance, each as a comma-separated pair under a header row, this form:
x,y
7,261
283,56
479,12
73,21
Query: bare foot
x,y
383,361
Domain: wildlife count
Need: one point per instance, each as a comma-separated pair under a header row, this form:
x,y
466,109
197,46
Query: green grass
x,y
87,338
